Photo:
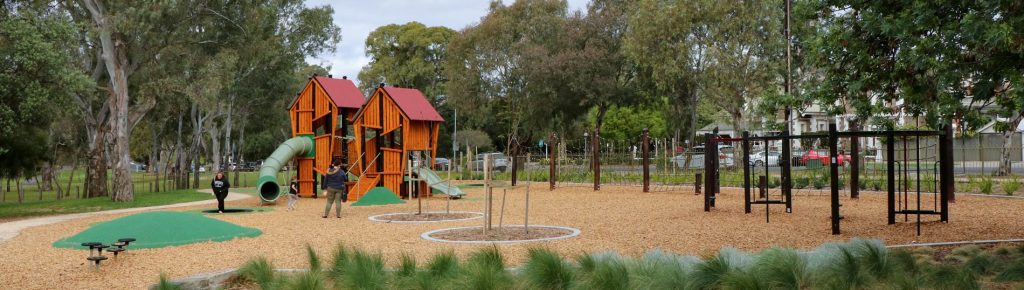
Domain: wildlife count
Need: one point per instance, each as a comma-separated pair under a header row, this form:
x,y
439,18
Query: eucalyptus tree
x,y
408,55
495,72
670,41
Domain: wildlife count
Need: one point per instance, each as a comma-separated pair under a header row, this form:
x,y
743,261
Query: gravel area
x,y
427,216
500,234
621,219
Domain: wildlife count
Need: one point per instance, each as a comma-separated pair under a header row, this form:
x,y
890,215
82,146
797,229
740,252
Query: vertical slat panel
x,y
305,177
323,160
305,111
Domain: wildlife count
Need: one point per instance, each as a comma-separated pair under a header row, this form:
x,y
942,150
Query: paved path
x,y
9,230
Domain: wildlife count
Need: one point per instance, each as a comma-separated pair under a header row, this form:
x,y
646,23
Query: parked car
x,y
759,159
441,163
823,156
136,167
697,160
499,162
252,165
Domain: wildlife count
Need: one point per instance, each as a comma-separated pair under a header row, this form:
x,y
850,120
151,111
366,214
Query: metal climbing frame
x,y
898,173
900,184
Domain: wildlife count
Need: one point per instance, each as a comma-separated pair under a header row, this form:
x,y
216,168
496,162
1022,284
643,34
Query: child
x,y
293,194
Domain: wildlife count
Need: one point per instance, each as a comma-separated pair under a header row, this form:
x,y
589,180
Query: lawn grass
x,y
53,207
143,183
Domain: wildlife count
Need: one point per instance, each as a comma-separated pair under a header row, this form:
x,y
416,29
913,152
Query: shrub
x,y
1011,186
801,182
164,284
1014,272
545,269
819,182
876,184
950,277
985,185
485,270
862,183
261,272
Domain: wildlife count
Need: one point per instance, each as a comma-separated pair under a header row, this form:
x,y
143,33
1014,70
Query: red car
x,y
813,154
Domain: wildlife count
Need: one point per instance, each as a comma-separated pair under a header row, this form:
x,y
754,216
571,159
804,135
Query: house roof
x,y
414,104
343,92
711,127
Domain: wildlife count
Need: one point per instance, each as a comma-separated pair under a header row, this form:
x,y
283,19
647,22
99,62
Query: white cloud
x,y
357,18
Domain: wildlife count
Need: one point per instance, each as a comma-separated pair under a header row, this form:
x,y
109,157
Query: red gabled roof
x,y
414,104
343,92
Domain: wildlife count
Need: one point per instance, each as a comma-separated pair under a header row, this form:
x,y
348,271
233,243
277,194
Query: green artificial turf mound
x,y
378,196
159,229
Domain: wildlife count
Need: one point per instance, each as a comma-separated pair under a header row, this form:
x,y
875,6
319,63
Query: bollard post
x,y
646,163
552,149
596,147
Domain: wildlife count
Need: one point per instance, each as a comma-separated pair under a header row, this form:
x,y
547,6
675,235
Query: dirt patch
x,y
427,216
504,234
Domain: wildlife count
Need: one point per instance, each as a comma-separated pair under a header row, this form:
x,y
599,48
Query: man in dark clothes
x,y
334,187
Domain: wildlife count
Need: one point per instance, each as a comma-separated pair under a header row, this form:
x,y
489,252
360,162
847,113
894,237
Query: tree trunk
x,y
115,58
239,145
21,193
215,146
39,187
71,177
46,182
96,171
197,134
227,133
738,128
1005,165
178,158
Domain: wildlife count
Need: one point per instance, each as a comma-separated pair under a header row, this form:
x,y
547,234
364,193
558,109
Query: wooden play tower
x,y
322,112
392,125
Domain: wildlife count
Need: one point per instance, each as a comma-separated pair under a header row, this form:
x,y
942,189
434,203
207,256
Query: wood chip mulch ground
x,y
617,218
426,217
508,233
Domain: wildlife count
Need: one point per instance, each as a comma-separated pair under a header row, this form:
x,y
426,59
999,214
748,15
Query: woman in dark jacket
x,y
220,187
334,188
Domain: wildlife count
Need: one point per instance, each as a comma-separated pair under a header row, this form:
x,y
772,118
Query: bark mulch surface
x,y
427,216
507,233
621,219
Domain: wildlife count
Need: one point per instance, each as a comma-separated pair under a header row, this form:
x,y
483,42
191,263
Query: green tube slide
x,y
267,182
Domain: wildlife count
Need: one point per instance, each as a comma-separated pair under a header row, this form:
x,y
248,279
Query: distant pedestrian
x,y
220,188
293,193
334,187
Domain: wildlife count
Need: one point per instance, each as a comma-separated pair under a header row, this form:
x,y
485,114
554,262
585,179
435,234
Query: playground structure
x,y
384,140
395,135
320,118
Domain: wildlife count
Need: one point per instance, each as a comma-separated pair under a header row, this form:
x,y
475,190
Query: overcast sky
x,y
357,18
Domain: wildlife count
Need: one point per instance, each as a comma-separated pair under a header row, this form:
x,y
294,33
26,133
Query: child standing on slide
x,y
293,194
